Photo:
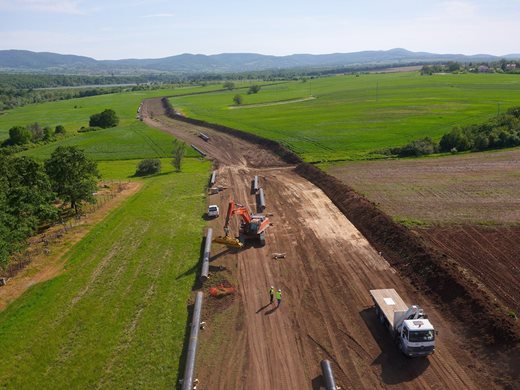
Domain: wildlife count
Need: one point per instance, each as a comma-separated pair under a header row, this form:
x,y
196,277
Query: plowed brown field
x,y
326,311
459,196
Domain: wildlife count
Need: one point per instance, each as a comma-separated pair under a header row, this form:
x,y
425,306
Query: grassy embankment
x,y
116,316
353,116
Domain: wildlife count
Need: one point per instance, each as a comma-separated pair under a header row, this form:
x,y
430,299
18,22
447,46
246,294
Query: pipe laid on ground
x,y
204,274
255,184
205,137
328,376
261,199
213,178
189,371
198,150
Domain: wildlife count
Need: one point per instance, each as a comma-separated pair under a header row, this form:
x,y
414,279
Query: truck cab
x,y
417,338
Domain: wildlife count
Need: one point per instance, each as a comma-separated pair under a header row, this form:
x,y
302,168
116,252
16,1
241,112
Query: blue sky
x,y
158,28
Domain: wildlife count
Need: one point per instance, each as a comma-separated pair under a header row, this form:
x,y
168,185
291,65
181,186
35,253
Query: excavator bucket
x,y
229,241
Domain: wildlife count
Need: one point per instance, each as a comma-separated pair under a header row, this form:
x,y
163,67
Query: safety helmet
x,y
272,287
279,290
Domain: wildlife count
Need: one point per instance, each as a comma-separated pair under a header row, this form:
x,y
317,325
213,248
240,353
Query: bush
x,y
229,85
59,130
105,119
515,111
253,89
19,135
36,131
237,99
47,133
148,167
456,138
418,148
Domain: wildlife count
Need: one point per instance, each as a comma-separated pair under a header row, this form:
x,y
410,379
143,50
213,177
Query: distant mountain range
x,y
28,61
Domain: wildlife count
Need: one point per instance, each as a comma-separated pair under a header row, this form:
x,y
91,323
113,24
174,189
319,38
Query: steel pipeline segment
x,y
328,376
261,199
204,273
198,150
189,371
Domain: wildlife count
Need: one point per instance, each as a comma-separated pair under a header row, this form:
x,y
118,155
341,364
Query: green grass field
x,y
353,116
130,140
116,317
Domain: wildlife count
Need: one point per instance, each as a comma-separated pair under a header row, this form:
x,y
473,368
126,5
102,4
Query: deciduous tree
x,y
179,149
105,119
73,175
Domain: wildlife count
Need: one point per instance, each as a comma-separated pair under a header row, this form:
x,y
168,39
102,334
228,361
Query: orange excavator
x,y
252,227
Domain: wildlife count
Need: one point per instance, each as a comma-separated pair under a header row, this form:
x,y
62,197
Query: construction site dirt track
x,y
325,278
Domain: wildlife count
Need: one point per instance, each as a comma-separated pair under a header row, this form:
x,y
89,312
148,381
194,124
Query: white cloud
x,y
52,6
163,15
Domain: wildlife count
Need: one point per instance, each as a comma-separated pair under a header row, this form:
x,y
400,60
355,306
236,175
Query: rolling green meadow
x,y
352,116
130,140
116,316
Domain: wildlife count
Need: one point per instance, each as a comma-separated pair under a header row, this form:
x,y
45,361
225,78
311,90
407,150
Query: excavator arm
x,y
227,239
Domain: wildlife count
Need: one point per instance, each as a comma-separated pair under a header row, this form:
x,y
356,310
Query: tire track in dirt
x,y
326,310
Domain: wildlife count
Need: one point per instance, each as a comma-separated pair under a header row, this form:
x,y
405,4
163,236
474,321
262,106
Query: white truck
x,y
410,327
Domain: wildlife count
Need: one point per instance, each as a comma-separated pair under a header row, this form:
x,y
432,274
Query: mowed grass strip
x,y
116,317
353,116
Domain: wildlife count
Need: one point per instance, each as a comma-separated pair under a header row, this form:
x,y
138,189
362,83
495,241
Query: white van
x,y
213,211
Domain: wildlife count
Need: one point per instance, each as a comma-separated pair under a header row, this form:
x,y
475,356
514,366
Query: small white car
x,y
213,211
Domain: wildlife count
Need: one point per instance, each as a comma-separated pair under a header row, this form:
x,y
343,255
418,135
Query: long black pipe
x,y
198,150
204,274
261,199
189,371
213,178
328,375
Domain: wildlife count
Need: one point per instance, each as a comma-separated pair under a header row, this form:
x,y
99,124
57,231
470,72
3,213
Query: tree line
x,y
502,131
501,66
30,193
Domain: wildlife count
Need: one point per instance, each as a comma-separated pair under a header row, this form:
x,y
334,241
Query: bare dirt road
x,y
326,310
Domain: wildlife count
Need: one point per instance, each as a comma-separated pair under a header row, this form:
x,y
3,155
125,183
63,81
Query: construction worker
x,y
271,295
279,296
